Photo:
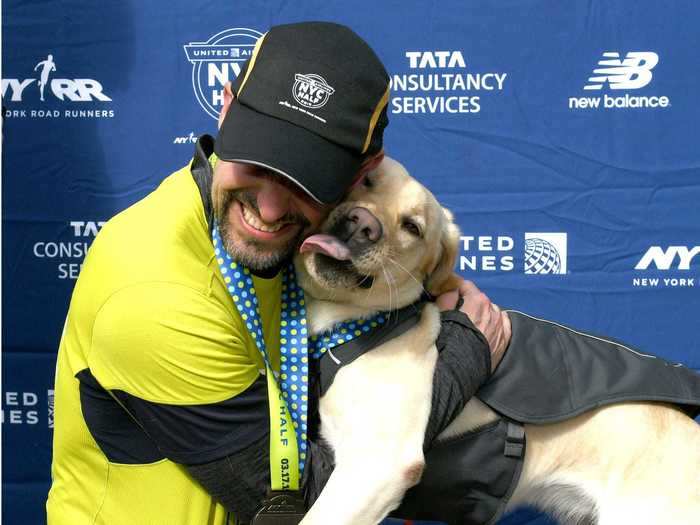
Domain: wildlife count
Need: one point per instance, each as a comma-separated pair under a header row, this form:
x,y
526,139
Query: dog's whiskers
x,y
391,282
397,263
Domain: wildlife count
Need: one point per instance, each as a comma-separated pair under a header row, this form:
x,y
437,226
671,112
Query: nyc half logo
x,y
311,91
217,61
617,73
42,96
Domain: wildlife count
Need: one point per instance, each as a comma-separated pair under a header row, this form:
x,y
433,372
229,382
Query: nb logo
x,y
633,72
311,91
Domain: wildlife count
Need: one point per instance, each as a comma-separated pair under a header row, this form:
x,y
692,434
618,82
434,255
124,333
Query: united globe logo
x,y
311,91
217,61
545,253
541,257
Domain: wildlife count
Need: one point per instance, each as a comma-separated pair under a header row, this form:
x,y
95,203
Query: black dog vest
x,y
550,373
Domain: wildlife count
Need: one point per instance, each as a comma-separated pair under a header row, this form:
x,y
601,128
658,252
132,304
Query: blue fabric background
x,y
516,162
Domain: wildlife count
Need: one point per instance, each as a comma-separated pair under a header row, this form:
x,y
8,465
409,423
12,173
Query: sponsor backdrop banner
x,y
561,134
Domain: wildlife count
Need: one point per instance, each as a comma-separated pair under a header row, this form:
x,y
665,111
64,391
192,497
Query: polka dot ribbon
x,y
295,345
294,360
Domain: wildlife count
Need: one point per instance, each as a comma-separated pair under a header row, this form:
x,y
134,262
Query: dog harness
x,y
550,373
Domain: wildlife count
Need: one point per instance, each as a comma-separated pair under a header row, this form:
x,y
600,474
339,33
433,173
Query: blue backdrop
x,y
561,134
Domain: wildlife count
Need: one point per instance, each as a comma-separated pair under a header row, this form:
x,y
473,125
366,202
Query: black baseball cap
x,y
311,104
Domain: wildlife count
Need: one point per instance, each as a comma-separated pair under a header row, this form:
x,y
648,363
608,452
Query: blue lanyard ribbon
x,y
294,359
295,345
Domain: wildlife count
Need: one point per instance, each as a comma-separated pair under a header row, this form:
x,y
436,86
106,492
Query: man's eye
x,y
411,227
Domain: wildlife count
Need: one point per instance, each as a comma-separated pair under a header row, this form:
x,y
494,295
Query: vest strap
x,y
515,440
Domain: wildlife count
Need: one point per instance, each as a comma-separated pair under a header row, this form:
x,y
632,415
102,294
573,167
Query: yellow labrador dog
x,y
638,463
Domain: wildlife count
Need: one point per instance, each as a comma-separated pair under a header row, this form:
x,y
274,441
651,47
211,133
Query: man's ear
x,y
443,278
228,98
369,164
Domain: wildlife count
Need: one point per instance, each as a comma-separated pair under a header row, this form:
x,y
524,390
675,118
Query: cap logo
x,y
311,91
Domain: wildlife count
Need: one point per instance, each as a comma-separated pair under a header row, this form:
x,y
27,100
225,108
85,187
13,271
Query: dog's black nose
x,y
359,228
366,225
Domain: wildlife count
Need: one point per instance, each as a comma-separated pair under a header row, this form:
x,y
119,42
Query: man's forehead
x,y
252,169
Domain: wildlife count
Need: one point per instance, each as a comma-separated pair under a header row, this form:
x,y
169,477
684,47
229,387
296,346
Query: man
x,y
161,408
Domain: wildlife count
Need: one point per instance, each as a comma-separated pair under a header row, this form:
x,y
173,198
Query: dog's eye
x,y
367,182
411,227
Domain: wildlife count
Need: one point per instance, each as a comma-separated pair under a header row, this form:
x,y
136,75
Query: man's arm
x,y
166,365
469,351
238,481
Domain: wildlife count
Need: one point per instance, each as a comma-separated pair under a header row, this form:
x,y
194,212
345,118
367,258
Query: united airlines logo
x,y
217,61
633,72
545,253
311,91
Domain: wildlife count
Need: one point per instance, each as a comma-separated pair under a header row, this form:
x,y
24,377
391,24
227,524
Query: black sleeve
x,y
463,365
224,445
197,434
238,481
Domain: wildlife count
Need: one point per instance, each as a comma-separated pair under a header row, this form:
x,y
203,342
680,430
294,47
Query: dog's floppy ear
x,y
442,277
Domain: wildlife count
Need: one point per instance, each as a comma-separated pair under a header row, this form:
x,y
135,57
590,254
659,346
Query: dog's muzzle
x,y
359,229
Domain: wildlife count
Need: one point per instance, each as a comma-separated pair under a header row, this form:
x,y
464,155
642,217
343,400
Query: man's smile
x,y
256,227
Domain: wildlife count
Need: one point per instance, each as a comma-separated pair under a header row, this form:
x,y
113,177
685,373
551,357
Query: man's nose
x,y
274,202
360,228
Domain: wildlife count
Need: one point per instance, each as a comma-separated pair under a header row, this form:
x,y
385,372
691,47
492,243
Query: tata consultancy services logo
x,y
217,61
545,253
438,81
632,72
311,91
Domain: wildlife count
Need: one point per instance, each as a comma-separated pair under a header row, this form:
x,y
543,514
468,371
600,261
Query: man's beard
x,y
253,253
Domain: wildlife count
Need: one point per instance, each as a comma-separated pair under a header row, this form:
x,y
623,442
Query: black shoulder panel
x,y
117,435
196,434
135,431
202,174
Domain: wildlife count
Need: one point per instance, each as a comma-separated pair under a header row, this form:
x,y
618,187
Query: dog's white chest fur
x,y
374,417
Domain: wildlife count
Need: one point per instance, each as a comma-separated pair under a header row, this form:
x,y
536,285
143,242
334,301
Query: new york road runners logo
x,y
217,61
311,91
44,95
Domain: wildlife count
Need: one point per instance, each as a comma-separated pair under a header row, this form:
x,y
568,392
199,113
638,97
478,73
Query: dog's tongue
x,y
327,245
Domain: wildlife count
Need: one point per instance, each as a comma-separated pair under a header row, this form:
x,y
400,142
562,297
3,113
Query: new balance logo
x,y
633,72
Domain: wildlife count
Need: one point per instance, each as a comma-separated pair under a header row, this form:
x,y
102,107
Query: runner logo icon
x,y
633,72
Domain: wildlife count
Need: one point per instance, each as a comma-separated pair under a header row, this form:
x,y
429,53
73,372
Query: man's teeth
x,y
256,223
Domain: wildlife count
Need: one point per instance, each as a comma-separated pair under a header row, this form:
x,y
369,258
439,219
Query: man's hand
x,y
486,316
